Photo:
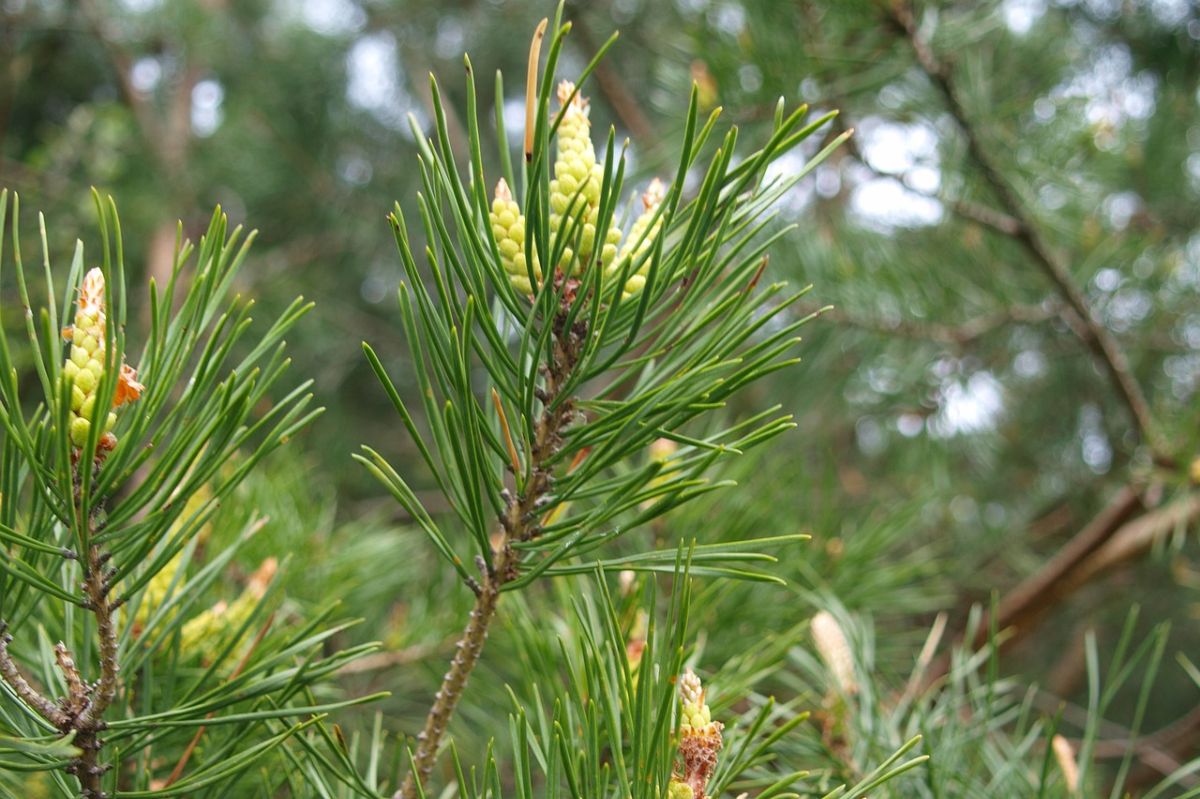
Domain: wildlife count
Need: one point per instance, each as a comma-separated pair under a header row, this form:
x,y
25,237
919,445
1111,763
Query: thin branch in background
x,y
616,91
1161,753
167,136
1136,537
1067,570
975,212
954,335
387,660
122,63
1101,341
1124,530
1037,593
1022,605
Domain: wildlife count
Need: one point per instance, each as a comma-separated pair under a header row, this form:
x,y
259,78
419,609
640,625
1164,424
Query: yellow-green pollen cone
x,y
576,186
205,633
639,242
155,593
85,367
574,212
508,227
694,717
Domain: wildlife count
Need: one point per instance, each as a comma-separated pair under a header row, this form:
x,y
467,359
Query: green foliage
x,y
619,374
954,432
138,668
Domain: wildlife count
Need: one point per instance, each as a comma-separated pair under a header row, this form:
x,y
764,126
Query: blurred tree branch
x,y
1023,604
166,136
619,96
1126,527
1101,341
953,335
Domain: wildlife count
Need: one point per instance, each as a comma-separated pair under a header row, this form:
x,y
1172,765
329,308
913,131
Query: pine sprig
x,y
548,359
104,513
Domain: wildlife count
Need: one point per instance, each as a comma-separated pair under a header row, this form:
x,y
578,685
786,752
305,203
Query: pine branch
x,y
954,335
21,687
1026,233
518,523
1036,594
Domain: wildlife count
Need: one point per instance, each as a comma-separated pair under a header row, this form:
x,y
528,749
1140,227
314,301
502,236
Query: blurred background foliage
x,y
958,433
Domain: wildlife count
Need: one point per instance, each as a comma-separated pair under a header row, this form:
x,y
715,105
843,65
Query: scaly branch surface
x,y
96,698
81,711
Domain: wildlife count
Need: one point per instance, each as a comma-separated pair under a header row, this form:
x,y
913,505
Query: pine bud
x,y
576,186
85,366
640,241
835,651
1065,756
508,228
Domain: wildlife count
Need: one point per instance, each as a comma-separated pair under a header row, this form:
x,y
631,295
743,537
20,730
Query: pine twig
x,y
519,522
21,687
90,722
1026,233
954,335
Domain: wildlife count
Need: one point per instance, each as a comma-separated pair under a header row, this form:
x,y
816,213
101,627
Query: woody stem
x,y
519,522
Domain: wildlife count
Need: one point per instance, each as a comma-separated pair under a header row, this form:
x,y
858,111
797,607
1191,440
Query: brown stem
x,y
466,656
21,687
97,588
518,523
88,723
